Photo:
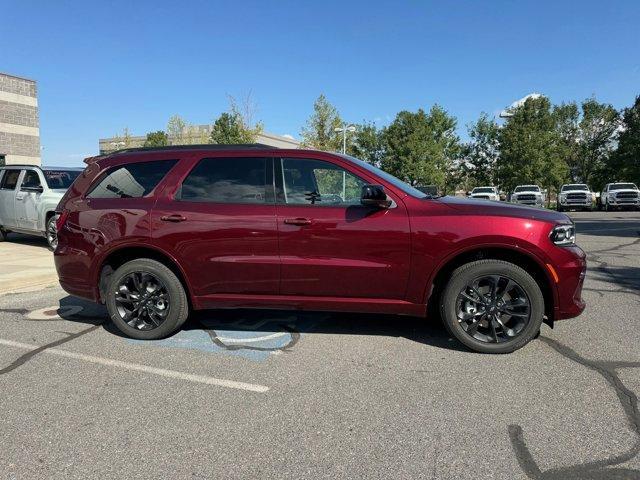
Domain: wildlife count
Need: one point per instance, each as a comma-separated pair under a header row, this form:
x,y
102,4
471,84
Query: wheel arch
x,y
519,257
124,254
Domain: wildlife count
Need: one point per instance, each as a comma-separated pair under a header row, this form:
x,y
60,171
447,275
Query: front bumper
x,y
571,270
624,202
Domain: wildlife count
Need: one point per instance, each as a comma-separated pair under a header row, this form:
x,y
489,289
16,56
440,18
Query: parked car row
x,y
572,196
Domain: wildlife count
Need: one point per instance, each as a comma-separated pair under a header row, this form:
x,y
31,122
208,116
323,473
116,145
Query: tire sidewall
x,y
463,275
46,230
178,303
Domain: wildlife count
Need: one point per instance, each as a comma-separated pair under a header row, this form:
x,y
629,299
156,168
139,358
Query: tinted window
x,y
60,179
527,189
314,182
30,179
226,180
483,190
10,179
396,182
133,180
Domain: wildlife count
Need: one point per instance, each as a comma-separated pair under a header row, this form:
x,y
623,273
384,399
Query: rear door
x,y
8,189
218,221
27,200
331,245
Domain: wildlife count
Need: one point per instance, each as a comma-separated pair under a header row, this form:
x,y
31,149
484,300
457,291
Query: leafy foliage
x,y
482,152
420,147
320,131
625,162
366,143
156,139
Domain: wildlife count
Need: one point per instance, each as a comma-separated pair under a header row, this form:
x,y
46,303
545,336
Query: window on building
x,y
132,180
314,182
10,179
226,180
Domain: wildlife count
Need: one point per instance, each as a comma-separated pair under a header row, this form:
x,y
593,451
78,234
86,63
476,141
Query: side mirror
x,y
374,196
37,189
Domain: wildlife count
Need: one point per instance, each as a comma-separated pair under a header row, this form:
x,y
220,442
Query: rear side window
x,y
10,179
131,181
226,180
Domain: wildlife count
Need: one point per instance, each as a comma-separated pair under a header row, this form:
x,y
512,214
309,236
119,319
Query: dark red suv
x,y
156,233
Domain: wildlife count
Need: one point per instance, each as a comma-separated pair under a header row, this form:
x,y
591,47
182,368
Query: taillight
x,y
62,218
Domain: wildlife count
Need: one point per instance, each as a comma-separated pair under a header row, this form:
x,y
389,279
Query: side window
x,y
132,180
30,179
226,180
315,182
10,179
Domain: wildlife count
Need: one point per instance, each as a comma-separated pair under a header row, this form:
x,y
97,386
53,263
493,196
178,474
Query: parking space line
x,y
189,377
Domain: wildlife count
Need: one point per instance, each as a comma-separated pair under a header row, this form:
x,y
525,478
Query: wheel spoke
x,y
492,322
142,301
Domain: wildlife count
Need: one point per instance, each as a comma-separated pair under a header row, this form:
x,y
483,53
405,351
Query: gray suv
x,y
28,199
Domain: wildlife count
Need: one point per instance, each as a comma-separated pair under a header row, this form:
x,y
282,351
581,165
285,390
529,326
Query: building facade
x,y
196,135
19,122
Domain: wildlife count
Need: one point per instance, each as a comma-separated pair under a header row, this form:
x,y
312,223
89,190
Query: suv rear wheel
x,y
146,300
492,306
3,234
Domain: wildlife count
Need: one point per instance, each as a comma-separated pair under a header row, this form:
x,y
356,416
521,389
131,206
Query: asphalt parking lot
x,y
268,394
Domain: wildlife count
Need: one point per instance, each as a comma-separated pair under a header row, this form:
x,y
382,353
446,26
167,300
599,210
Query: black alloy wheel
x,y
142,300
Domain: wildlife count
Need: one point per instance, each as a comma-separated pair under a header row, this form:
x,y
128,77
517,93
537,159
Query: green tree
x,y
320,131
531,148
156,139
176,130
366,143
237,124
482,152
419,148
598,137
625,162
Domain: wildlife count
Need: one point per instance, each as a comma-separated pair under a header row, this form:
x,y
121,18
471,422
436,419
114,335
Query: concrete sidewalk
x,y
26,264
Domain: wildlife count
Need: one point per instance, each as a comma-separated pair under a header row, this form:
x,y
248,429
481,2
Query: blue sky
x,y
102,66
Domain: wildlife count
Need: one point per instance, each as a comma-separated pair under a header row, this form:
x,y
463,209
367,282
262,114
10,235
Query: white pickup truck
x,y
575,195
485,193
528,195
620,195
29,196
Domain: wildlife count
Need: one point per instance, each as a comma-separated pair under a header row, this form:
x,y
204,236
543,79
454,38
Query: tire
x,y
607,208
3,234
559,207
51,232
525,284
155,273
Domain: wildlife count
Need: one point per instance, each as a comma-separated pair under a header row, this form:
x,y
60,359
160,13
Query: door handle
x,y
297,221
19,197
173,218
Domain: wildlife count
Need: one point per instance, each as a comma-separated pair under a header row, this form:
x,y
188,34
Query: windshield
x,y
482,190
623,186
574,187
533,188
60,179
396,182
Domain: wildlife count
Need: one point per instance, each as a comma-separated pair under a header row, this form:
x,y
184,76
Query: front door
x,y
27,198
220,224
8,189
331,245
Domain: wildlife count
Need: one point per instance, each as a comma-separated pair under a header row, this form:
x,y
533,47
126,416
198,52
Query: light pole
x,y
344,129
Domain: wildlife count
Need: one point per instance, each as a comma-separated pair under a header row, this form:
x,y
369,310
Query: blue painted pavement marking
x,y
244,336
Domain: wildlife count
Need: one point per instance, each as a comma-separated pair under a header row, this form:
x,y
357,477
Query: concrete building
x,y
196,134
19,123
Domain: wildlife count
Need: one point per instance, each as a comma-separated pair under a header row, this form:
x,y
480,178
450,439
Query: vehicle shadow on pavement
x,y
28,240
426,331
620,227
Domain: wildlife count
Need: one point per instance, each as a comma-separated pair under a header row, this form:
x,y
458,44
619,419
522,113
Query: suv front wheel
x,y
146,300
492,306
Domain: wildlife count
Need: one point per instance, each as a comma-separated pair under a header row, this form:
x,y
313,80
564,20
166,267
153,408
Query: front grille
x,y
484,197
526,198
628,195
576,196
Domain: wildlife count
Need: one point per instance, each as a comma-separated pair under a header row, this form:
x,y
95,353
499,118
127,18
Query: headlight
x,y
563,235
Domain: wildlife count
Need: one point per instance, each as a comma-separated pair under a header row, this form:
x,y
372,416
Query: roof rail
x,y
205,146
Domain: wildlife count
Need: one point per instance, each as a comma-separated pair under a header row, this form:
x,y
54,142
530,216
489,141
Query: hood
x,y
623,190
486,207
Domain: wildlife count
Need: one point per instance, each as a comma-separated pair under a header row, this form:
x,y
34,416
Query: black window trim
x,y
105,173
279,183
269,184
